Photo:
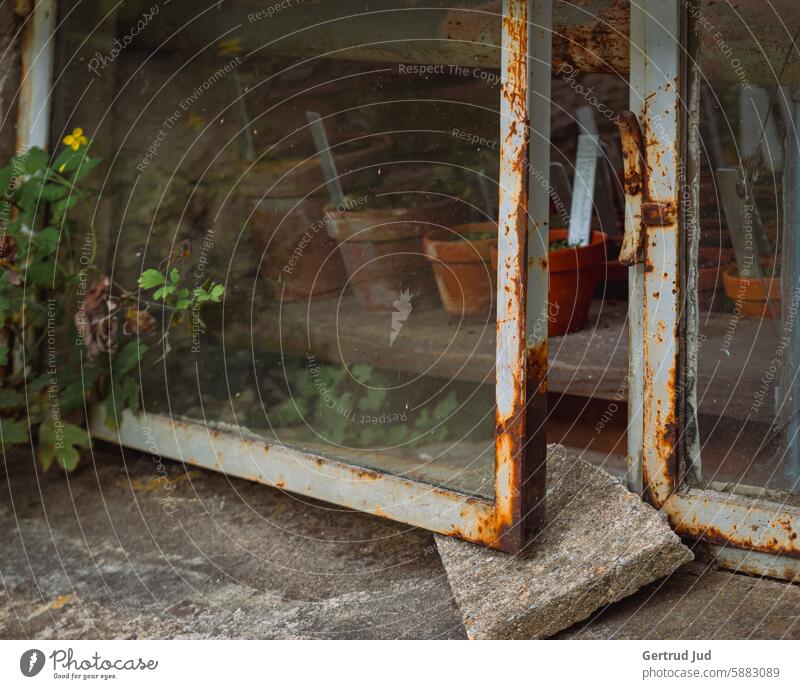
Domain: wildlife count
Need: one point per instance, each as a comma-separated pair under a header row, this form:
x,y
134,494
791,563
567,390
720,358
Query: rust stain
x,y
689,525
536,366
600,44
159,482
518,466
589,41
61,601
659,213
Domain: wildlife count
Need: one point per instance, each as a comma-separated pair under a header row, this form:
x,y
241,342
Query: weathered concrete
x,y
95,554
699,602
600,543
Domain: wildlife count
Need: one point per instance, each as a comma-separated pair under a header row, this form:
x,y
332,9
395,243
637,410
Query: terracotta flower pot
x,y
463,267
383,253
574,273
301,260
613,282
751,296
713,261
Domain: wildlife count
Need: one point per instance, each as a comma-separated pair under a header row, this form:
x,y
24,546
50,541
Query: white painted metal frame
x,y
36,77
752,535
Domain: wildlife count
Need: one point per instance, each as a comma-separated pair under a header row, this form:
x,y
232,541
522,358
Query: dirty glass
x,y
744,240
358,317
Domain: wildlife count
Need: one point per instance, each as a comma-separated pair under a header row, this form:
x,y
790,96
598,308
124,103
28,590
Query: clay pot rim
x,y
753,290
574,258
440,246
407,222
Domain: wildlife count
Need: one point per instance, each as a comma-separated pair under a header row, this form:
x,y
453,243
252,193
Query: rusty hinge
x,y
643,212
22,8
658,213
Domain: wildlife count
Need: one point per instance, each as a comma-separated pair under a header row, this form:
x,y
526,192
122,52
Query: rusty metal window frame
x,y
517,508
742,533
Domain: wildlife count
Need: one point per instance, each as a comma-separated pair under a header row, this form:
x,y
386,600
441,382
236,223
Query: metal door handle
x,y
635,184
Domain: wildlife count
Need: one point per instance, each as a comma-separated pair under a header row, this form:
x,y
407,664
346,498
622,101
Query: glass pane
x,y
748,260
358,319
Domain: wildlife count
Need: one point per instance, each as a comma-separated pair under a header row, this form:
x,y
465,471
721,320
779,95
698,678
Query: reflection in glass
x,y
358,319
747,248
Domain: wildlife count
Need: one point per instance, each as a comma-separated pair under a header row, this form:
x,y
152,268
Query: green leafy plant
x,y
559,244
68,336
359,408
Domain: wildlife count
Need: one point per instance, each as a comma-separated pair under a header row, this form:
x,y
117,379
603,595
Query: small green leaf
x,y
53,192
47,239
163,292
123,393
373,400
200,295
288,413
13,432
397,435
39,383
68,160
60,441
41,273
214,293
362,372
73,394
446,407
174,276
150,278
35,159
29,196
11,399
130,355
60,208
85,168
6,175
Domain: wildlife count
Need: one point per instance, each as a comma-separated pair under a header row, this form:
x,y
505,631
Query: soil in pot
x,y
383,252
461,258
754,297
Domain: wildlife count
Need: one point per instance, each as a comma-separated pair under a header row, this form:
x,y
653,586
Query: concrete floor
x,y
96,554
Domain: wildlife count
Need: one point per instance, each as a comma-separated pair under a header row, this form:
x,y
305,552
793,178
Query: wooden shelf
x,y
592,362
589,363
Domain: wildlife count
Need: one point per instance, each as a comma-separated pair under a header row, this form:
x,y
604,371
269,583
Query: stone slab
x,y
600,543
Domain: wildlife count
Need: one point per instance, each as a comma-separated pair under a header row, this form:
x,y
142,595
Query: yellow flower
x,y
230,46
196,122
76,139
